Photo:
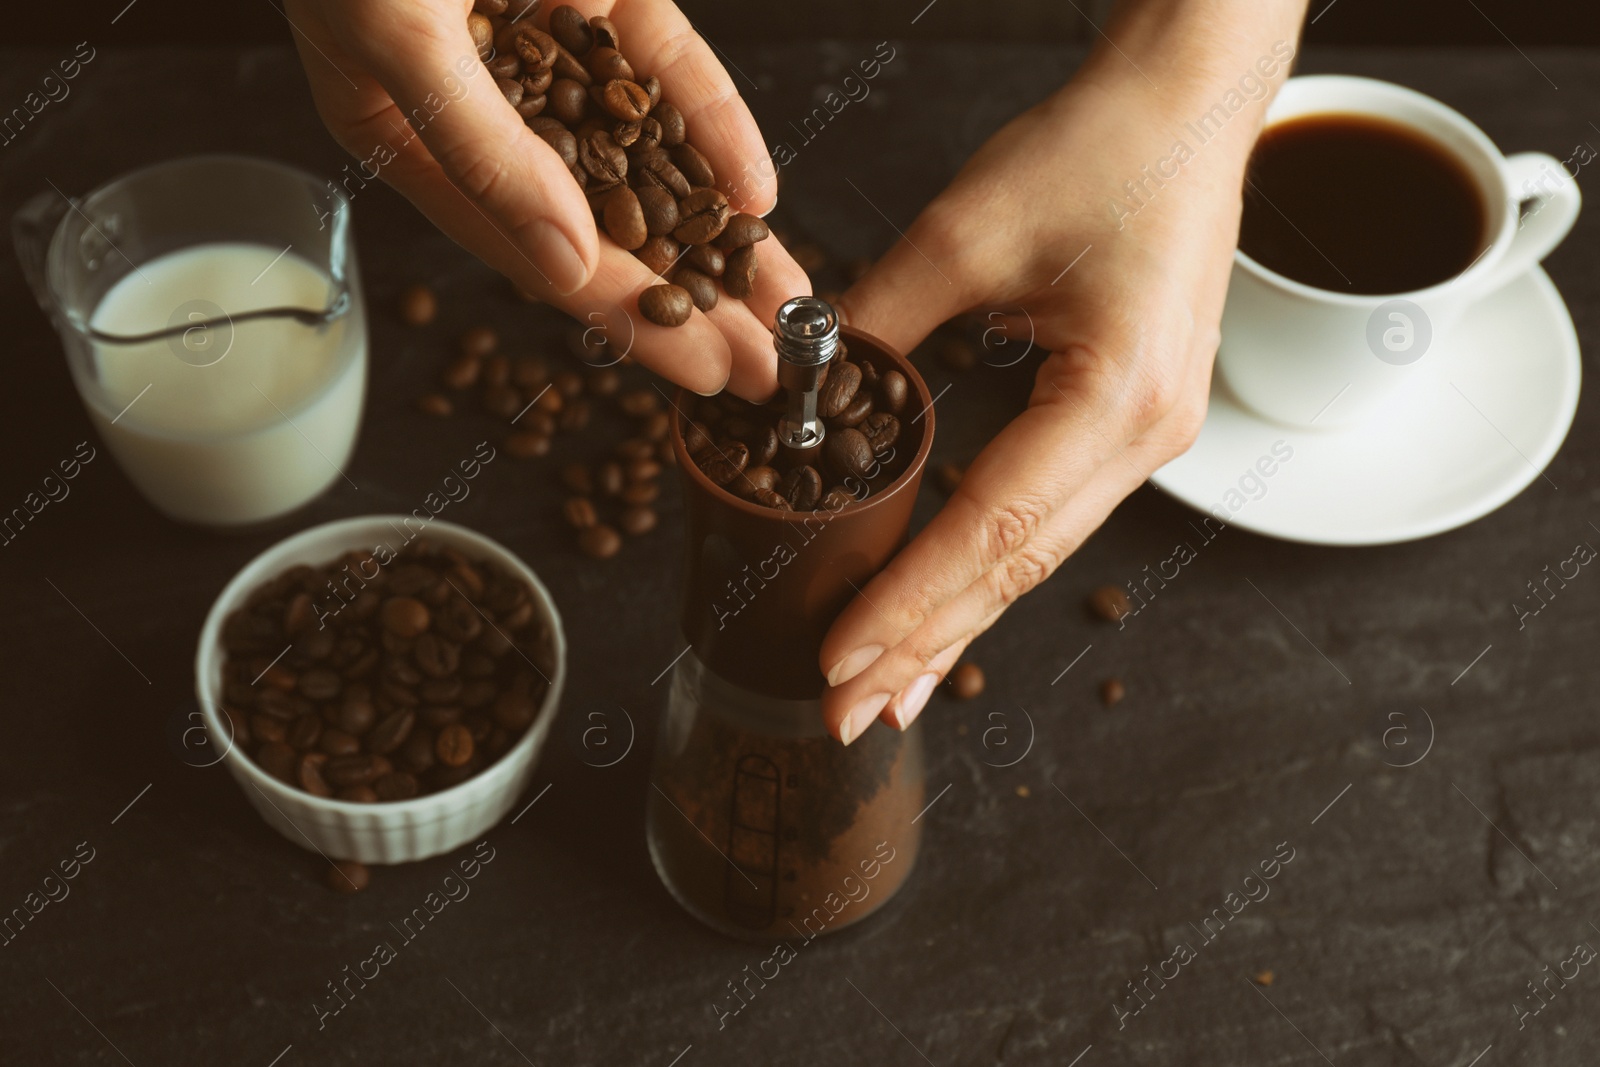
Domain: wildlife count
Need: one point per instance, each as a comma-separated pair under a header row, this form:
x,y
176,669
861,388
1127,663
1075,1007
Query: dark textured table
x,y
1418,905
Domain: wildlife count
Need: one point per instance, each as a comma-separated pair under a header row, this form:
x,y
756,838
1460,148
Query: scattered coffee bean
x,y
599,541
966,681
638,520
479,342
418,306
580,513
666,305
739,277
348,876
1112,691
463,371
1110,603
435,404
948,476
700,287
957,354
742,229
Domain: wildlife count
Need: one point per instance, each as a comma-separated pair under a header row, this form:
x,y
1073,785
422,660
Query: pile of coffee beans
x,y
628,150
735,443
380,677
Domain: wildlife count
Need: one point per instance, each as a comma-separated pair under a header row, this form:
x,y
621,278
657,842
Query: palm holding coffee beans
x,y
475,89
1129,330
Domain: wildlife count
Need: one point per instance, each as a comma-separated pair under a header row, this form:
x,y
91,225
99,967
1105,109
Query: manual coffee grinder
x,y
759,823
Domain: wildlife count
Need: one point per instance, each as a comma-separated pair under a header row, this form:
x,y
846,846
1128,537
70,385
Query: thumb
x,y
506,171
905,296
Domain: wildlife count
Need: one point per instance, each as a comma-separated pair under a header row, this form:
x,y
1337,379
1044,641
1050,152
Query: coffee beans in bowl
x,y
380,687
652,192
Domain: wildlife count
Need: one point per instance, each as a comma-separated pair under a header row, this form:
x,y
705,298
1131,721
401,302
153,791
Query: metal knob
x,y
806,336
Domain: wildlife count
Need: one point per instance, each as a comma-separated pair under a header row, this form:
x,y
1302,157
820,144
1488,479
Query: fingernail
x,y
854,664
861,716
562,265
915,699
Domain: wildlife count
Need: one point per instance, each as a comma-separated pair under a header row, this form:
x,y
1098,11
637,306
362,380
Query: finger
x,y
755,362
434,75
907,704
658,40
905,295
1011,490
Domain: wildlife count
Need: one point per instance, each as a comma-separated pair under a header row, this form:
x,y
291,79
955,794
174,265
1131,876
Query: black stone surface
x,y
1419,902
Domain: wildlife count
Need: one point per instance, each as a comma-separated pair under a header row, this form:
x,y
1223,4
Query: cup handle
x,y
1548,199
32,227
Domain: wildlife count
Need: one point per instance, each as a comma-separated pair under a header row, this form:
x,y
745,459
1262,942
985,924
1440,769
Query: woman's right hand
x,y
401,87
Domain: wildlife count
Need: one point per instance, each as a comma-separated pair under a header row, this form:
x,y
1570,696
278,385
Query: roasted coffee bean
x,y
947,476
836,499
526,444
608,478
707,259
481,30
739,278
754,478
625,100
570,67
966,681
636,493
847,452
659,169
357,794
549,401
565,145
624,218
838,389
514,711
659,253
743,229
478,342
320,684
490,7
536,48
957,354
510,89
603,381
438,658
1112,691
348,876
537,83
338,743
309,774
767,498
599,541
607,64
496,371
304,732
723,461
695,166
454,745
702,215
531,105
404,616
893,392
355,770
881,430
701,289
763,444
625,133
501,401
638,520
418,306
416,755
602,158
435,404
396,785
462,371
666,305
355,714
579,513
238,727
802,487
567,100
1110,603
266,728
505,65
278,760
605,34
660,209
578,478
695,439
649,132
859,409
672,124
571,30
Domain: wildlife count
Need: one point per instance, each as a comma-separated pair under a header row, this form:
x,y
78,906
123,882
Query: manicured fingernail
x,y
915,699
861,716
854,664
562,265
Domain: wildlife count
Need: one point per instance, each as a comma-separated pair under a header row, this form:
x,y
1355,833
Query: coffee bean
x,y
418,306
638,520
749,480
966,681
1110,603
404,616
396,785
309,774
416,755
511,89
1112,691
881,430
658,169
462,372
626,100
947,476
501,401
478,342
566,100
602,158
481,30
436,657
320,684
514,711
636,493
702,215
304,732
356,794
579,513
767,498
624,218
847,452
578,478
723,462
659,253
740,276
860,407
570,67
266,728
536,48
660,209
605,34
893,392
599,541
649,131
702,290
957,354
453,746
606,64
694,166
490,7
505,65
743,229
802,487
348,876
672,124
338,743
666,305
496,371
838,389
571,30
355,714
608,478
603,381
435,404
707,259
355,770
643,469
526,444
696,439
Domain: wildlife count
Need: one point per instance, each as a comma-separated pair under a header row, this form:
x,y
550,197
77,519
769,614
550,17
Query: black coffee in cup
x,y
1356,204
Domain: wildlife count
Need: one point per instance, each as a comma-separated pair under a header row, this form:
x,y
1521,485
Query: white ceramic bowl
x,y
385,832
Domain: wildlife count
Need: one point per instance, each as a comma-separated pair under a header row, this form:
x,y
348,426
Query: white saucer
x,y
1471,435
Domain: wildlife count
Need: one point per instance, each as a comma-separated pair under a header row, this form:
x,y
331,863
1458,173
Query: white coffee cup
x,y
1307,356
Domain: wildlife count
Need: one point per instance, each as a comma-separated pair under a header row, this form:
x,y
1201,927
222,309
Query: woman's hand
x,y
1125,299
401,87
